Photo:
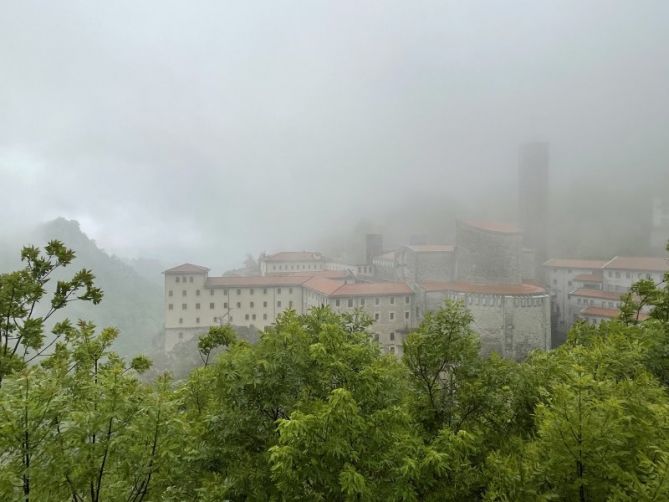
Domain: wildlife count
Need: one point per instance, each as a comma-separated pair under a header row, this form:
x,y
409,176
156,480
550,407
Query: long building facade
x,y
483,269
591,290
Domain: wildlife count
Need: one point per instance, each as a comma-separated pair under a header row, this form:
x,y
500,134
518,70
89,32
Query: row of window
x,y
496,300
377,301
183,279
212,305
590,301
225,292
628,275
247,317
295,267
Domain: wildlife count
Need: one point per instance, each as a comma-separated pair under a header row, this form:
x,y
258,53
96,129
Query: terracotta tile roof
x,y
294,256
389,256
333,288
588,278
374,289
490,288
574,263
606,313
331,274
256,281
492,226
600,312
432,248
597,293
323,285
186,268
644,263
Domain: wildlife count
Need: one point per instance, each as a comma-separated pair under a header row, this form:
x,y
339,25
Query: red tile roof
x,y
332,288
256,281
489,288
600,312
643,263
597,293
374,289
295,256
390,255
492,226
588,278
323,285
574,263
432,248
606,313
331,274
186,268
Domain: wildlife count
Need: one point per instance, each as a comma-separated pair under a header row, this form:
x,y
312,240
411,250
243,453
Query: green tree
x,y
601,426
23,295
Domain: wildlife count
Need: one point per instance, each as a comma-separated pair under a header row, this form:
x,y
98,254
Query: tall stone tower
x,y
533,161
373,247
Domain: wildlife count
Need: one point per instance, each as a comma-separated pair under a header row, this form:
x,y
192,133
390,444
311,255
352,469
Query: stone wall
x,y
486,256
428,266
512,326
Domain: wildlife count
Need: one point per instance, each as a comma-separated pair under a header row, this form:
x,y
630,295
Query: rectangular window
x,y
169,293
278,291
350,302
178,279
278,304
211,291
239,291
264,304
170,307
197,292
392,336
251,291
239,305
225,305
197,306
253,317
181,320
406,315
407,299
197,320
246,317
264,316
183,293
252,305
290,291
377,301
211,306
264,291
391,316
337,302
362,302
183,306
392,300
377,316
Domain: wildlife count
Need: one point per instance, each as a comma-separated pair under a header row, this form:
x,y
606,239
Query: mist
x,y
202,132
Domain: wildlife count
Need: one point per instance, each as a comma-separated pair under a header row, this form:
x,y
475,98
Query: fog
x,y
202,131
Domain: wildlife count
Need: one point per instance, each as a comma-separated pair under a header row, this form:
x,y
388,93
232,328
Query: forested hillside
x,y
314,411
133,299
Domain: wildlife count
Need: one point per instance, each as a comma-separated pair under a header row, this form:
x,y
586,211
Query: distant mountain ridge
x,y
133,299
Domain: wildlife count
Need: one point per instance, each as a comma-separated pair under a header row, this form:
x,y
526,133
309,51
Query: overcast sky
x,y
199,131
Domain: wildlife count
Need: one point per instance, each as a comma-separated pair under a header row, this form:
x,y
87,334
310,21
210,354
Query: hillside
x,y
132,302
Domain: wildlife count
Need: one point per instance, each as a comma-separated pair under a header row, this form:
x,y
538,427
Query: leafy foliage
x,y
315,411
